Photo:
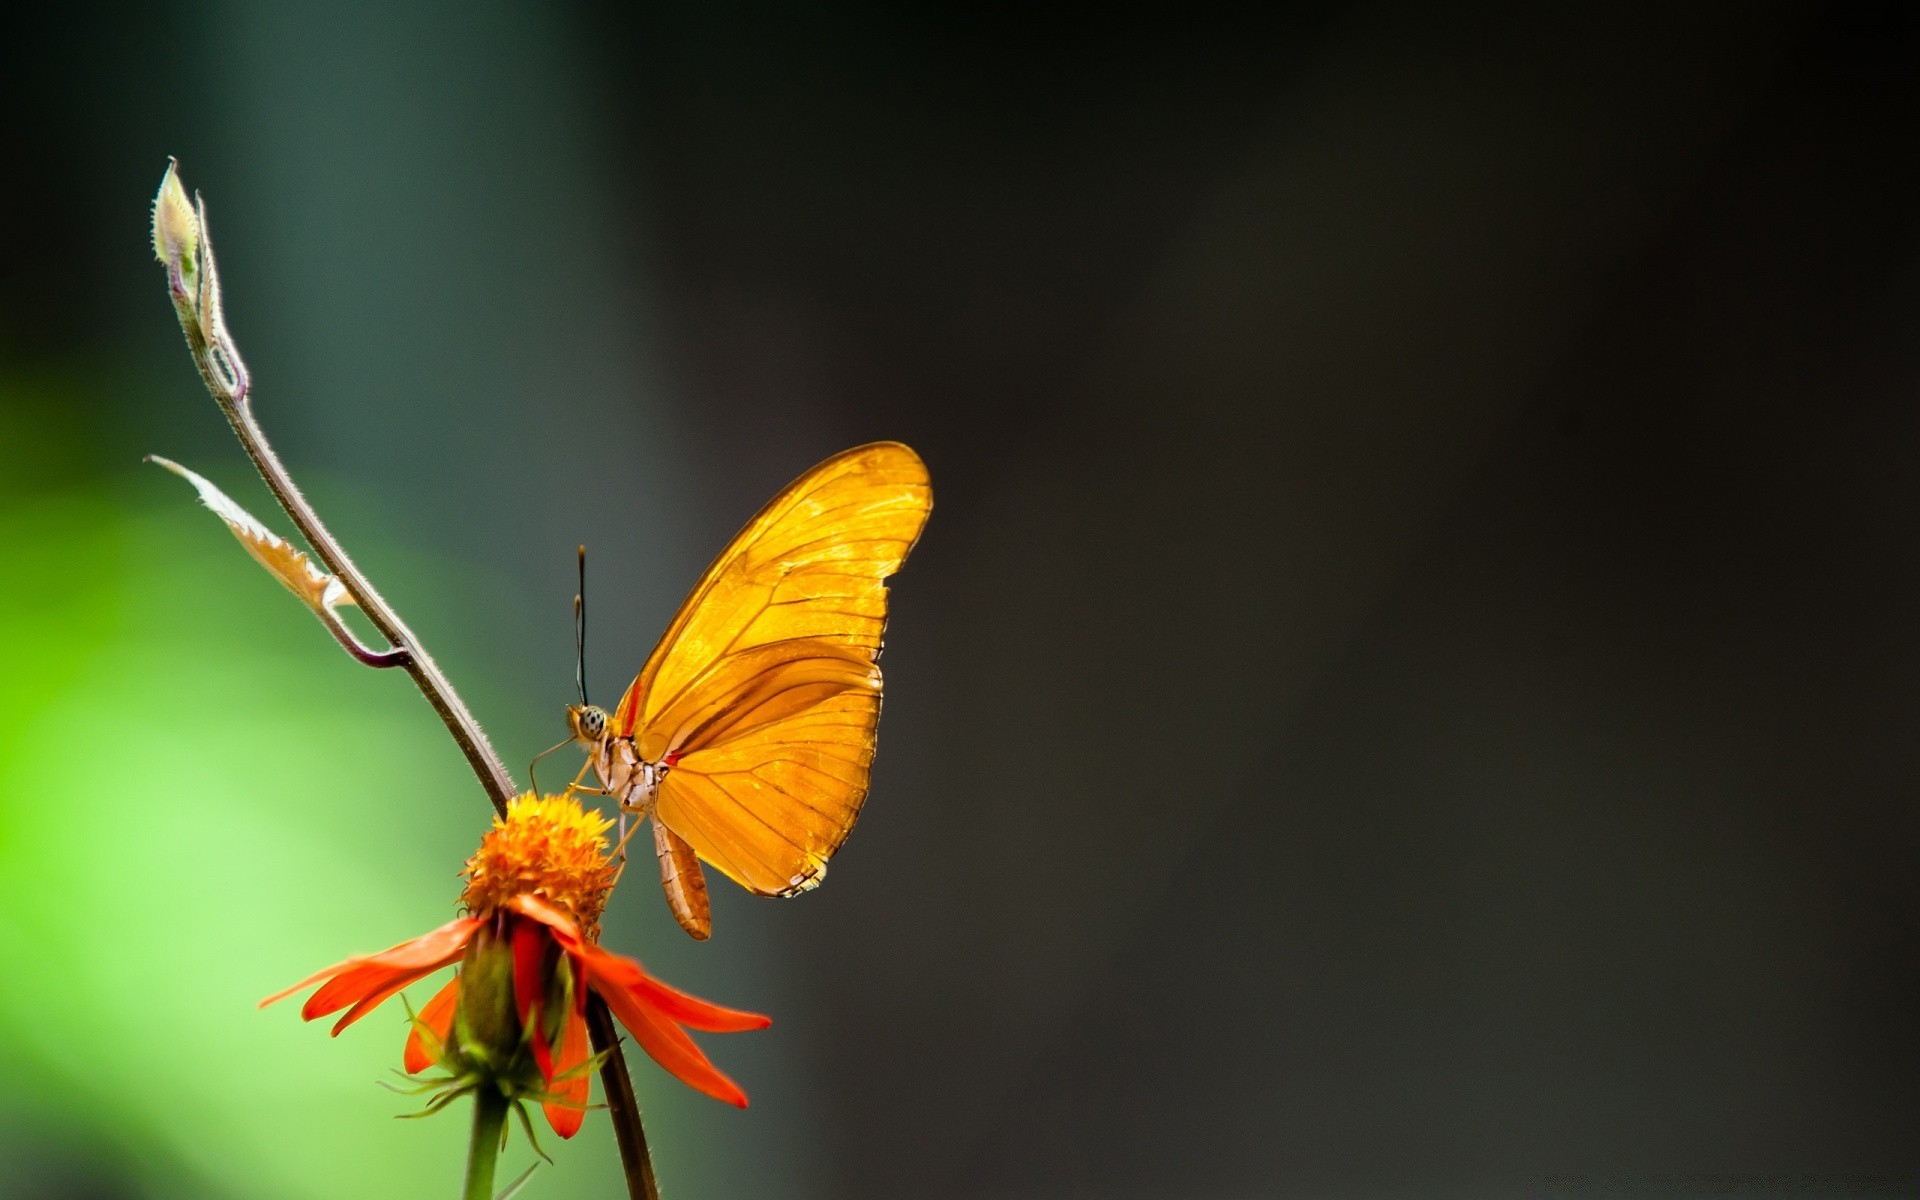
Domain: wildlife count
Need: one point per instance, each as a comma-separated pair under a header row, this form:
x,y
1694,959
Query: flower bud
x,y
176,229
486,1029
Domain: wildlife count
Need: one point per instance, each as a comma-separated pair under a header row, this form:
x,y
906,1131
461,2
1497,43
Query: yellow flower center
x,y
550,847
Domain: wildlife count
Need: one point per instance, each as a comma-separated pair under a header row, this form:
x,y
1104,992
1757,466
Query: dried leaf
x,y
317,589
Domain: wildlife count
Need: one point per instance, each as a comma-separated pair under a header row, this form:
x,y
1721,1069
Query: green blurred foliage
x,y
201,801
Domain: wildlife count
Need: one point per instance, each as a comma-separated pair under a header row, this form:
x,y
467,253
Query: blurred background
x,y
1410,687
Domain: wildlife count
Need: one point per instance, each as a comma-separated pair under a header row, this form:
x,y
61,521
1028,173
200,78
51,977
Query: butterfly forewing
x,y
763,694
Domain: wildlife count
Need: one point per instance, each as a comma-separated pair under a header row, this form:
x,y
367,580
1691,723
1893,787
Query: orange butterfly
x,y
749,734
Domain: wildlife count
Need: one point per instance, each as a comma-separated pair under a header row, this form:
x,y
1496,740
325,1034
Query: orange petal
x,y
375,999
669,1046
437,1016
633,995
379,976
425,953
562,925
309,981
530,942
617,970
351,986
569,1108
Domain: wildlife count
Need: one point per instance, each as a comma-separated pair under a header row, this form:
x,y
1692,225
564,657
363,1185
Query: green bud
x,y
486,1026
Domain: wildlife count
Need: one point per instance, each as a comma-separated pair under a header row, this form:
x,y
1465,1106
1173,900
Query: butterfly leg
x,y
620,849
586,789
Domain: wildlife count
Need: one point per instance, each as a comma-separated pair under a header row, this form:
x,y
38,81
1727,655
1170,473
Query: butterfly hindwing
x,y
770,807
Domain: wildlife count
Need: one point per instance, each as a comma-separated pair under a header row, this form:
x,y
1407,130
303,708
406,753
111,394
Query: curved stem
x,y
396,656
426,674
621,1106
489,1122
193,283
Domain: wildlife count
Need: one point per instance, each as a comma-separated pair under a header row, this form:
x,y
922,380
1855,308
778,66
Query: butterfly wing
x,y
764,693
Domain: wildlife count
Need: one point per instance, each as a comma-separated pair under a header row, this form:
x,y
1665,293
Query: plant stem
x,y
489,1121
182,240
199,310
621,1106
426,674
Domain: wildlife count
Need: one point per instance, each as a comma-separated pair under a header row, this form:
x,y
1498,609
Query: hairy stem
x,y
193,284
426,673
621,1106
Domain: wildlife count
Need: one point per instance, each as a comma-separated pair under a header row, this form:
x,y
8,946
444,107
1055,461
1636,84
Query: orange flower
x,y
515,1014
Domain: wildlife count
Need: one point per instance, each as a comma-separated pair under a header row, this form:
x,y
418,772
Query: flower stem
x,y
621,1106
489,1121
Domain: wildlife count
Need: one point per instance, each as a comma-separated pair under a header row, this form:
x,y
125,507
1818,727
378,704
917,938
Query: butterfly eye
x,y
595,722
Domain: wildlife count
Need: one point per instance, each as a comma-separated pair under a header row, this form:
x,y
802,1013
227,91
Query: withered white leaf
x,y
316,589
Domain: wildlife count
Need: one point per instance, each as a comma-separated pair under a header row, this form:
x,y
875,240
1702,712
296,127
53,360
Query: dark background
x,y
1410,684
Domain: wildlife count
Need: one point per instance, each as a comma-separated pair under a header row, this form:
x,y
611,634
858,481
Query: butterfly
x,y
748,736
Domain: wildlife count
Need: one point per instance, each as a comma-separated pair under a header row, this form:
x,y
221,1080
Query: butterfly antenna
x,y
580,630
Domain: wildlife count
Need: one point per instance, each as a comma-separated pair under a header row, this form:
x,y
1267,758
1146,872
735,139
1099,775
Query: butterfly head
x,y
589,723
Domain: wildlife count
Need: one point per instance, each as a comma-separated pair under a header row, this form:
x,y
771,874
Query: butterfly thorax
x,y
630,779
